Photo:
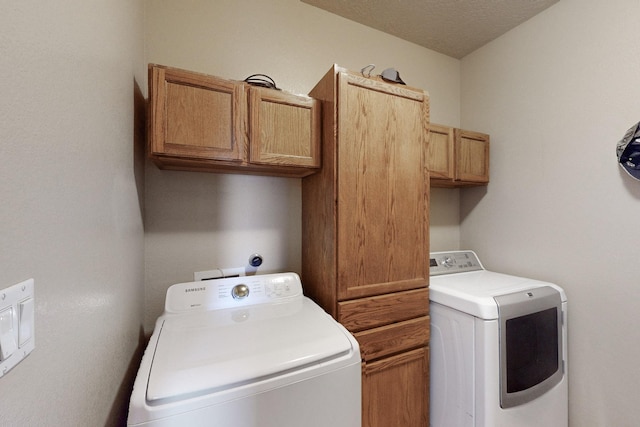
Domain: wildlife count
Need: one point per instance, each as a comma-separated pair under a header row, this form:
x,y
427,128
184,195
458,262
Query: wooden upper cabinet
x,y
457,157
205,123
284,128
195,115
441,152
472,156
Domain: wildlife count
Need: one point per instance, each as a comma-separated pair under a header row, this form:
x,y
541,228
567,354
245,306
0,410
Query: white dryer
x,y
247,352
498,347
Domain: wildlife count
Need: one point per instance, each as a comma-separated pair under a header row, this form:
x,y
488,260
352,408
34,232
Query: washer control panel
x,y
233,292
453,262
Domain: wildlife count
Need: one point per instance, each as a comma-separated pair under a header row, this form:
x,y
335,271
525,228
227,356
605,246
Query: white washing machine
x,y
498,347
247,352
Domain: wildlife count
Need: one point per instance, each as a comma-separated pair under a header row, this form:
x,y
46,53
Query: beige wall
x,y
556,94
199,221
70,213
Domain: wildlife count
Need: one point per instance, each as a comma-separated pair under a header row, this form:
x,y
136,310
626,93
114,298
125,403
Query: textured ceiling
x,y
452,27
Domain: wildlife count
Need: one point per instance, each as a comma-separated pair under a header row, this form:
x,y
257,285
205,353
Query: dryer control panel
x,y
453,262
233,292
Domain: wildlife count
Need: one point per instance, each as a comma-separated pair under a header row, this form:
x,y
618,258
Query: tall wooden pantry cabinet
x,y
365,241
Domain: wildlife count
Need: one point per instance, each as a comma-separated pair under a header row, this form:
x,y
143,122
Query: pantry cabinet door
x,y
382,190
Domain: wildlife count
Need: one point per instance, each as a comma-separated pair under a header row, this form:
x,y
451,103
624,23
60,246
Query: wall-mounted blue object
x,y
628,151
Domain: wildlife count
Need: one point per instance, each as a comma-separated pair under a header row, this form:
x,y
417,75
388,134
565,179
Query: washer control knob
x,y
447,261
240,291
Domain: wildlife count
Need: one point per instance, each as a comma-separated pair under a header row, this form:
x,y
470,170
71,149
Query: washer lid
x,y
472,292
207,352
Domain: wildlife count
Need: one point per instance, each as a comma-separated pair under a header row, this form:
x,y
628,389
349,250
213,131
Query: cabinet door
x,y
441,152
382,206
472,156
193,115
396,391
284,129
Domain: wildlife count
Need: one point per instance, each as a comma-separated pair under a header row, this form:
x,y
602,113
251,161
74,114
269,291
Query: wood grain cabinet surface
x,y
396,390
365,241
204,123
457,157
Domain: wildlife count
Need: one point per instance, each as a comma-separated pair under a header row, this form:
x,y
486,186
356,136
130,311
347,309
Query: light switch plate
x,y
8,343
17,337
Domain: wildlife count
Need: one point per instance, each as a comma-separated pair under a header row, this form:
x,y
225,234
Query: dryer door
x,y
531,359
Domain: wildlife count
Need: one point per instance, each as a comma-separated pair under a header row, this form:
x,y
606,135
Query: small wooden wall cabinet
x,y
365,241
204,123
457,158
